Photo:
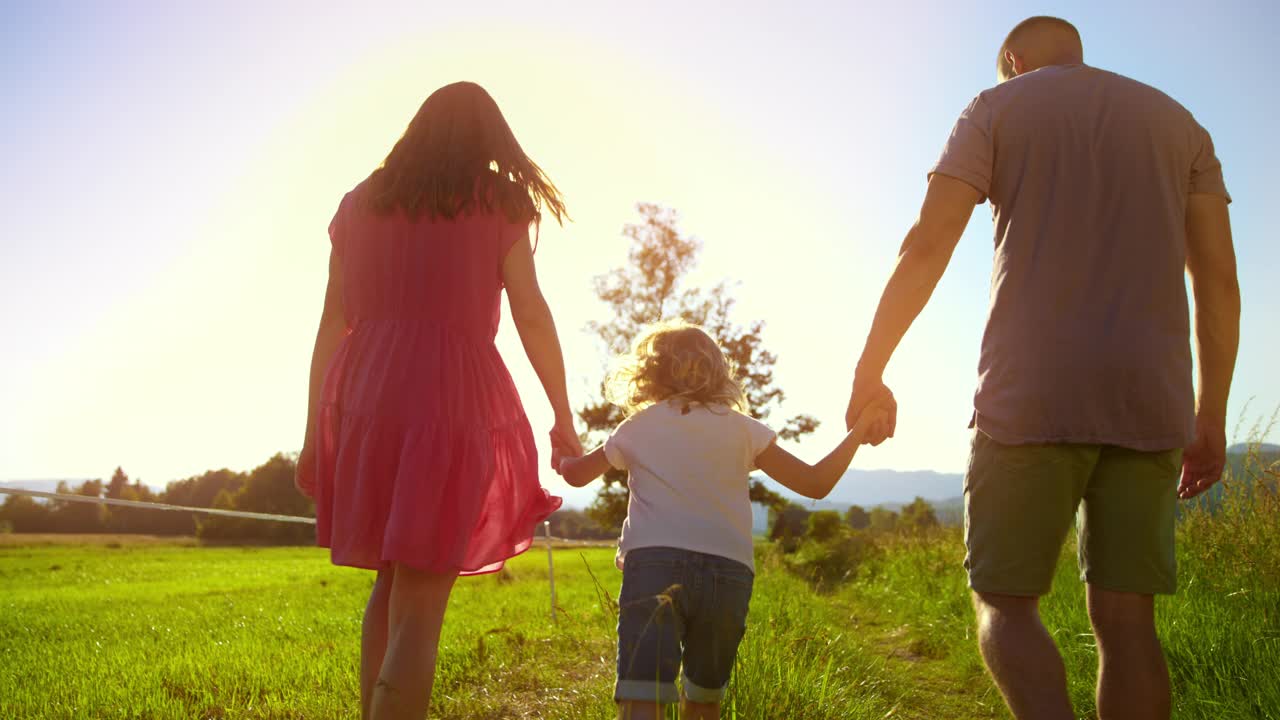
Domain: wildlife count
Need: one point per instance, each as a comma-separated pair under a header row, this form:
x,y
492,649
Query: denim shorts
x,y
679,607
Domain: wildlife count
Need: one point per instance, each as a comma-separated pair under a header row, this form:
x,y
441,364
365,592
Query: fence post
x,y
551,568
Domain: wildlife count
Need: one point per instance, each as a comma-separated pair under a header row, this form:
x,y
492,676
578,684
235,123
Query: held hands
x,y
871,423
866,395
564,442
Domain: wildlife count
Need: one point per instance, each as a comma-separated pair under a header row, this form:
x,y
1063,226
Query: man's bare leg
x,y
1133,680
1022,658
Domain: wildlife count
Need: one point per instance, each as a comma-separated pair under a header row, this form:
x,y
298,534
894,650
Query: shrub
x,y
883,519
918,516
787,524
823,526
840,558
857,517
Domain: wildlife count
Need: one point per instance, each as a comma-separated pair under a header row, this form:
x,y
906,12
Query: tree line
x,y
267,488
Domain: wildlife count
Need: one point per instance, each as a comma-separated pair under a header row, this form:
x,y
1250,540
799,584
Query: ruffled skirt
x,y
424,454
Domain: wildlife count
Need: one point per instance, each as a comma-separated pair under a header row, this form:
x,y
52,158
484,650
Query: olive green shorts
x,y
1020,500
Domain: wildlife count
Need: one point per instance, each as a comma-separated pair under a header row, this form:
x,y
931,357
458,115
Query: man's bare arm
x,y
924,257
1211,263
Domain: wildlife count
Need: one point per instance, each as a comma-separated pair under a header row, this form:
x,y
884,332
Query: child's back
x,y
689,471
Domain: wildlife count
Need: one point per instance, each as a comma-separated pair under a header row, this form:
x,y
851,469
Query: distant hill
x,y
884,487
1263,448
41,485
52,485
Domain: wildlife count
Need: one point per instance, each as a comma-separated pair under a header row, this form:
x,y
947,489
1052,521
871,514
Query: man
x,y
1103,189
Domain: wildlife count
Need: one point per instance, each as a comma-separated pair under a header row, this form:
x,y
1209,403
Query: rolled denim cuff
x,y
647,691
699,694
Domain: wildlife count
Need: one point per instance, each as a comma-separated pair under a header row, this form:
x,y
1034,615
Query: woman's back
x,y
433,270
422,298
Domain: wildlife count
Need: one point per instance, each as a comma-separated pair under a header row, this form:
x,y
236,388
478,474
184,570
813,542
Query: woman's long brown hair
x,y
458,155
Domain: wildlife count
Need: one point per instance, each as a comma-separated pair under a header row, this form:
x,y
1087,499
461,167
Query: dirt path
x,y
940,687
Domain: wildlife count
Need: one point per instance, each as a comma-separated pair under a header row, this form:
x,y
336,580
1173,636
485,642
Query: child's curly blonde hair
x,y
674,361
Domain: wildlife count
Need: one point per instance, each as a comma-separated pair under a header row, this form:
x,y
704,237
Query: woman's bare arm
x,y
333,327
537,329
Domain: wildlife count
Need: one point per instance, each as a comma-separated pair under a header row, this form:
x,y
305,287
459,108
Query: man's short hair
x,y
1003,67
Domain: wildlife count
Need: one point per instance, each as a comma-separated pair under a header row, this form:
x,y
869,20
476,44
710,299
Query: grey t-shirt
x,y
1088,336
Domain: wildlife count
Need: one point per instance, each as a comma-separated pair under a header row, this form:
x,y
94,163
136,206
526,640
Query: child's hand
x,y
563,458
870,423
564,442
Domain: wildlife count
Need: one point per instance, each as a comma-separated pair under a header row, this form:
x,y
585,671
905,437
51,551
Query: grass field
x,y
122,629
153,631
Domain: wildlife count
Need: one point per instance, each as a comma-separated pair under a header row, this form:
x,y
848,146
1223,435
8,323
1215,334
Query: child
x,y
686,547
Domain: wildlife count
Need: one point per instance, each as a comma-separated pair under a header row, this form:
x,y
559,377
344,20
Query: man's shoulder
x,y
1064,81
1137,87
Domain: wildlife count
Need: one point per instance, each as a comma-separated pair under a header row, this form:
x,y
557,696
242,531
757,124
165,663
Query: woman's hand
x,y
304,476
564,441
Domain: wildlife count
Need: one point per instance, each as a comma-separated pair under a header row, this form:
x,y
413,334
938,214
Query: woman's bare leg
x,y
373,638
415,615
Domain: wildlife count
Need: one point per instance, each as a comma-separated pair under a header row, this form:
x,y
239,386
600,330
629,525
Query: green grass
x,y
96,631
160,631
1220,631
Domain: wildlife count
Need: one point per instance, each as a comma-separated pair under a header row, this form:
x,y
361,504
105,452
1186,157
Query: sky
x,y
170,170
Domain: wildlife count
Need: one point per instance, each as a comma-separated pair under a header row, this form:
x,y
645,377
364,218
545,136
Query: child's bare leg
x,y
415,613
373,638
690,710
634,710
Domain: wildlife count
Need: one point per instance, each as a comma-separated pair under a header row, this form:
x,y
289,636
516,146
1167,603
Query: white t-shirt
x,y
688,476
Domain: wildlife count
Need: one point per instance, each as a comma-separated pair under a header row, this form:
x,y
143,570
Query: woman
x,y
417,450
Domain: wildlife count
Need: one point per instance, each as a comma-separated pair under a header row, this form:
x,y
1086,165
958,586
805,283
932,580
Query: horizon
x,y
164,325
580,498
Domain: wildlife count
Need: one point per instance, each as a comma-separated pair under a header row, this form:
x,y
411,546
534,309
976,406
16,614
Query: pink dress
x,y
424,455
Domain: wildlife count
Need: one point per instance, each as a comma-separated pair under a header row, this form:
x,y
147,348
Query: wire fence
x,y
157,506
546,525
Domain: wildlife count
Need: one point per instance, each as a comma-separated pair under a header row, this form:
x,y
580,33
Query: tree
x,y
650,288
857,518
79,517
199,491
268,489
883,520
574,524
787,522
118,482
918,516
26,515
824,525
